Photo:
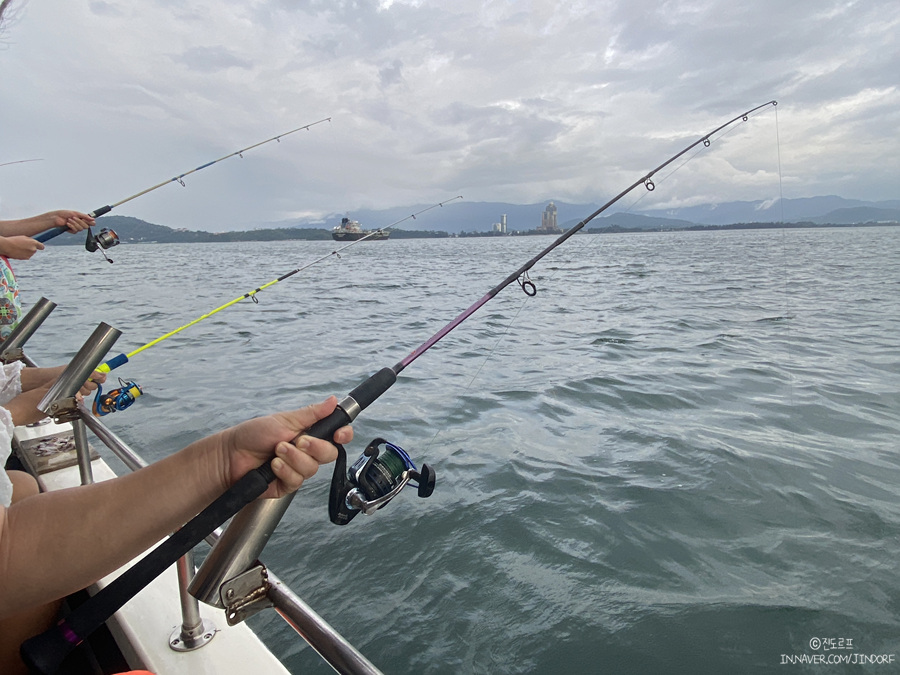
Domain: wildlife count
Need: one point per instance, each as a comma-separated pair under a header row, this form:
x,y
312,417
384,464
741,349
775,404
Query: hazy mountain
x,y
463,216
859,214
808,209
635,221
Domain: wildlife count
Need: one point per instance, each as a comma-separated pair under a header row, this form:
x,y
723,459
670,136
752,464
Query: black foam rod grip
x,y
326,427
45,653
364,395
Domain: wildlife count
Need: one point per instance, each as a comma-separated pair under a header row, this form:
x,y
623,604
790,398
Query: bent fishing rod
x,y
373,480
107,238
125,395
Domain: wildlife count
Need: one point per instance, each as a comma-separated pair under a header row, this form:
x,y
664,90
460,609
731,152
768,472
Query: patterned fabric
x,y
10,305
6,432
10,387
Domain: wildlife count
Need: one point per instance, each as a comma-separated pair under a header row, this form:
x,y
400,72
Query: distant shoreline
x,y
136,231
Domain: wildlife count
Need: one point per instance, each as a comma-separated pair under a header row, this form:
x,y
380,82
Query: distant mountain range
x,y
477,217
465,216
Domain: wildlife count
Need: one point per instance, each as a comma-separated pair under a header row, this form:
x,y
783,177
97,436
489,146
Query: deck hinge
x,y
246,594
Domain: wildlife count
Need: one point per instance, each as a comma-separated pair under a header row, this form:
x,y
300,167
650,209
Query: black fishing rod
x,y
108,238
372,481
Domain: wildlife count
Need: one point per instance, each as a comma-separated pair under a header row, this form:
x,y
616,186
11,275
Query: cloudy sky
x,y
495,100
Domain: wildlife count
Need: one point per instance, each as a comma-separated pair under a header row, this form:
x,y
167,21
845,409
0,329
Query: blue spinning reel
x,y
373,480
115,399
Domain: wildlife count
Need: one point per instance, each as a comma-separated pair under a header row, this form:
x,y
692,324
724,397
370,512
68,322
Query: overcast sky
x,y
494,100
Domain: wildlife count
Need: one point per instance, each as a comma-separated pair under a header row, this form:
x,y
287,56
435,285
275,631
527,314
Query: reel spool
x,y
103,240
115,399
373,480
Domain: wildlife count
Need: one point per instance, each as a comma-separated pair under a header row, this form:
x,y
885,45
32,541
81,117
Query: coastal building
x,y
501,226
548,220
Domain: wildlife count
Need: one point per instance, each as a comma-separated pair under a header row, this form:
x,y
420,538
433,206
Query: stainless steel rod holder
x,y
60,401
82,451
11,349
238,548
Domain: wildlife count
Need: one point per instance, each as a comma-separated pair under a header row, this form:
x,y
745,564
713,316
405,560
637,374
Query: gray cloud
x,y
210,59
500,101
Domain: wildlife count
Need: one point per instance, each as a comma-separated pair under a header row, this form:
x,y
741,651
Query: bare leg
x,y
17,628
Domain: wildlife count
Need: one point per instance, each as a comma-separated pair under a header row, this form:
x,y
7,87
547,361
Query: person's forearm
x,y
27,226
32,378
56,543
23,407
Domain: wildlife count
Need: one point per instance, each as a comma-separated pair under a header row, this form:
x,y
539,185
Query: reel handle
x,y
426,479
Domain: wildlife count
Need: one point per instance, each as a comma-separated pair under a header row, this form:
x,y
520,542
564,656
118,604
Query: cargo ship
x,y
350,230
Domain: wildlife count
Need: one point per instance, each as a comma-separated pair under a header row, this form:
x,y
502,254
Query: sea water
x,y
680,456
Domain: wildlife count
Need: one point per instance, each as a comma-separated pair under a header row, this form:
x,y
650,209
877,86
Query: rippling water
x,y
680,456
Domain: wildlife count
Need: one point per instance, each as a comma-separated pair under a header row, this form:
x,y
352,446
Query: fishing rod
x,y
108,238
21,161
371,483
125,395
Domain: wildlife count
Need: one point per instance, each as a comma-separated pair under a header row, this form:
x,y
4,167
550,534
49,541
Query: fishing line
x,y
122,359
108,238
369,484
784,253
427,446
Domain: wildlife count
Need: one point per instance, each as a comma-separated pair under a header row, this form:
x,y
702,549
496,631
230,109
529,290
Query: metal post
x,y
195,631
11,349
82,452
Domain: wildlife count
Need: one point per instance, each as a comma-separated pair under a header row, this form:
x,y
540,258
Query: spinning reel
x,y
103,240
373,480
115,399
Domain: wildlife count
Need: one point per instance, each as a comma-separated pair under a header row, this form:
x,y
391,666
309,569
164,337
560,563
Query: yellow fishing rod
x,y
121,359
